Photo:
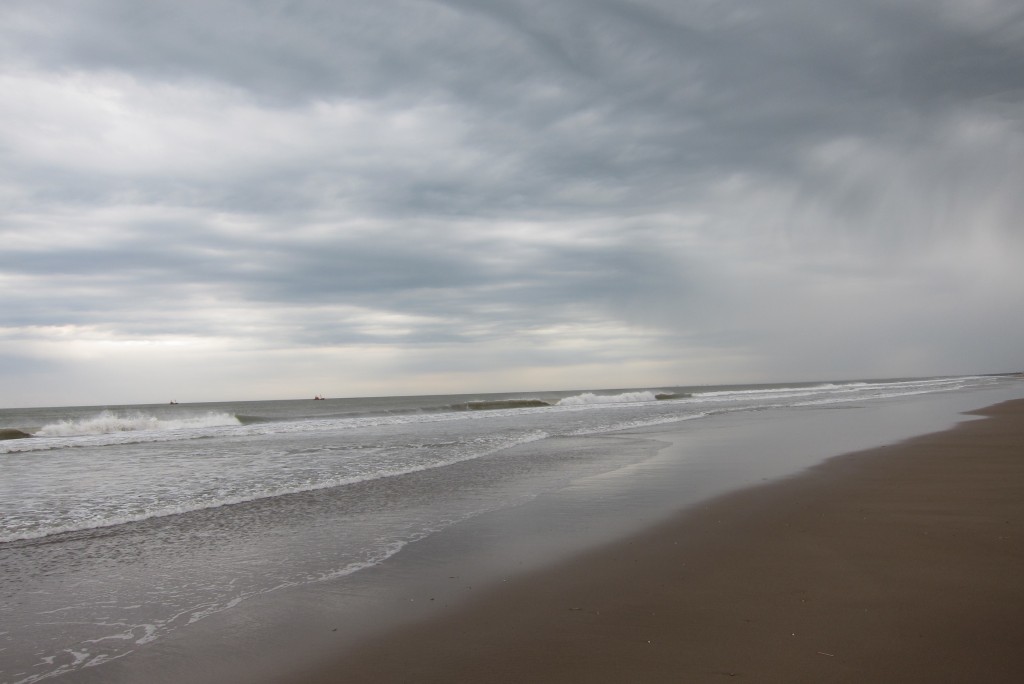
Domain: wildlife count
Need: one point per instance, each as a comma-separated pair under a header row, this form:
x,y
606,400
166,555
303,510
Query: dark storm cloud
x,y
646,98
458,172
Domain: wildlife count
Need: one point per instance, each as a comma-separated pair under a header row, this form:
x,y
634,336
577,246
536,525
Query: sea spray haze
x,y
123,524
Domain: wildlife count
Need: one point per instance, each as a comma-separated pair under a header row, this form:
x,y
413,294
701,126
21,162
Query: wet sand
x,y
898,564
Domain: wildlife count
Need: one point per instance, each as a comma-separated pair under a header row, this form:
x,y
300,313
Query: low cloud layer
x,y
228,200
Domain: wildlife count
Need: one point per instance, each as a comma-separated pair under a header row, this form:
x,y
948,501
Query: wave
x,y
103,521
764,390
926,384
11,433
109,422
253,420
589,398
500,404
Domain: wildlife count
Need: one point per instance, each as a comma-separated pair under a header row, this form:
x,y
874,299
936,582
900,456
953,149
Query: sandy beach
x,y
897,564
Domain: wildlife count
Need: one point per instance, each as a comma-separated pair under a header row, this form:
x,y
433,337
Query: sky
x,y
226,200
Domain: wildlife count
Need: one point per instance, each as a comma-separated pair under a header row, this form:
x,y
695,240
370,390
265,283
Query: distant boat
x,y
319,397
173,402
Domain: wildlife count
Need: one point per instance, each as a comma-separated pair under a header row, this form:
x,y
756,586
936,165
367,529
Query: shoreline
x,y
898,563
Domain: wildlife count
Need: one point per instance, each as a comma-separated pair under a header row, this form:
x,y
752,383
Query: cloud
x,y
490,194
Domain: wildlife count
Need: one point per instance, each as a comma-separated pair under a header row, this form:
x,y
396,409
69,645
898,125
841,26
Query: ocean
x,y
122,526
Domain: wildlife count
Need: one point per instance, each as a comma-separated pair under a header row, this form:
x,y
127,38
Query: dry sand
x,y
898,564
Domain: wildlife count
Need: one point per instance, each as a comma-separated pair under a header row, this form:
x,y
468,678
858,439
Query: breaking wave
x,y
589,398
109,422
494,405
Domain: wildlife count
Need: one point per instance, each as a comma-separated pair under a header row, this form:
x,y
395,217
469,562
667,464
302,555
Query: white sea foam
x,y
768,391
639,423
109,422
106,518
835,389
589,398
211,425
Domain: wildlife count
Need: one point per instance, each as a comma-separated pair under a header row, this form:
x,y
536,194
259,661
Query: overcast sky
x,y
252,200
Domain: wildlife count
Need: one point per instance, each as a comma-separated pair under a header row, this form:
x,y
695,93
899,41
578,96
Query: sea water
x,y
122,525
